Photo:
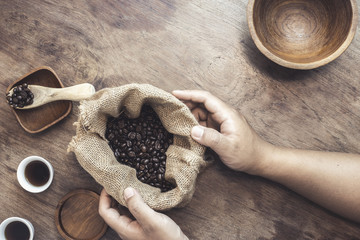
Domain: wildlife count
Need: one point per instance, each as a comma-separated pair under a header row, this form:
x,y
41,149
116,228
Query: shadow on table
x,y
271,69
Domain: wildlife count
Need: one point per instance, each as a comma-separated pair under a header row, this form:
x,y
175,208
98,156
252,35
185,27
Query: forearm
x,y
329,179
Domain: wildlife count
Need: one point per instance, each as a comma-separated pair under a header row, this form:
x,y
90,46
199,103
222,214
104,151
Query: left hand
x,y
227,132
148,224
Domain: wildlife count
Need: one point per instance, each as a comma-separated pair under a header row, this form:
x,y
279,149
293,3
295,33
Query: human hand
x,y
148,224
226,131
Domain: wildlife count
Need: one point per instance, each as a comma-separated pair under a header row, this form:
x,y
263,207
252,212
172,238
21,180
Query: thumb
x,y
138,208
210,138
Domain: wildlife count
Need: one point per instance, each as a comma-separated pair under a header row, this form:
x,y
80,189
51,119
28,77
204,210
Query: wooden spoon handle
x,y
73,93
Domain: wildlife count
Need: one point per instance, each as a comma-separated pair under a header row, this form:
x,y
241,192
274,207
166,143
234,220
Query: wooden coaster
x,y
77,217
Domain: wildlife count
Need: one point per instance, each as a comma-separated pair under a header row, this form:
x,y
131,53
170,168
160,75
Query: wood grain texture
x,y
190,44
77,216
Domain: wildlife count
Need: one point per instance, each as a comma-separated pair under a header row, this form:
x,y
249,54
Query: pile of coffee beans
x,y
21,96
141,143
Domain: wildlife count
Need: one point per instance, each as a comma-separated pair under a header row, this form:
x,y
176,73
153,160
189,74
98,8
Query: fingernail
x,y
176,91
128,193
197,132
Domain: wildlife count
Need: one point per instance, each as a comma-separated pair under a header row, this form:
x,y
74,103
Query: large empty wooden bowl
x,y
302,34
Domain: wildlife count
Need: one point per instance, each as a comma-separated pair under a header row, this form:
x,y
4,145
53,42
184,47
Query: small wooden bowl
x,y
302,34
38,119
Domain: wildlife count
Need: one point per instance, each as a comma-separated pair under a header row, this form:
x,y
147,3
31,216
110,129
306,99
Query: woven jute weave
x,y
184,157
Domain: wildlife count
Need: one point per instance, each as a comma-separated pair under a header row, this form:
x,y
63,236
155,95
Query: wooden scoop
x,y
43,95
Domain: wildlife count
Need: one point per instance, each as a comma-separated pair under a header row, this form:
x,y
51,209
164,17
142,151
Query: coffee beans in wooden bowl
x,y
141,143
21,96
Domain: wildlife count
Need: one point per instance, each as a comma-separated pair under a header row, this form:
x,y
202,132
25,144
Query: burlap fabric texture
x,y
184,157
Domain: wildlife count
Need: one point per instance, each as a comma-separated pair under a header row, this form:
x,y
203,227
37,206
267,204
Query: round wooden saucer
x,y
77,217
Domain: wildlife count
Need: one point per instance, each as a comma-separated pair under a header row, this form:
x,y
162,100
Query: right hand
x,y
226,131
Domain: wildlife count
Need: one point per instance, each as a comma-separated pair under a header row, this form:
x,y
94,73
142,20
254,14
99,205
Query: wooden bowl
x,y
302,34
38,119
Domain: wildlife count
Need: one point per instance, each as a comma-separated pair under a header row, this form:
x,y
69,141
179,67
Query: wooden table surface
x,y
190,44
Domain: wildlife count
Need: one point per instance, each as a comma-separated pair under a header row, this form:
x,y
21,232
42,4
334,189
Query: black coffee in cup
x,y
17,231
37,173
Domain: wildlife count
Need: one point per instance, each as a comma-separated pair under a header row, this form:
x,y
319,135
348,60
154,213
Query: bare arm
x,y
329,179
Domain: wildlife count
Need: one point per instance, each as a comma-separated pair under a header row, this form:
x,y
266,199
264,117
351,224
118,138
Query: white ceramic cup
x,y
7,221
22,178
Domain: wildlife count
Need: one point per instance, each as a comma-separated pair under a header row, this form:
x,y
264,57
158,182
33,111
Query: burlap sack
x,y
184,157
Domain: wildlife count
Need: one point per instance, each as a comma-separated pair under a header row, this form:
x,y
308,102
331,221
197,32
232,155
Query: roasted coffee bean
x,y
142,167
131,154
132,135
117,154
121,124
143,148
111,136
157,145
140,143
21,96
136,149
